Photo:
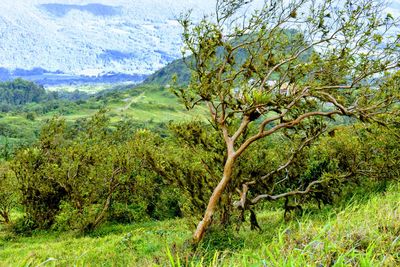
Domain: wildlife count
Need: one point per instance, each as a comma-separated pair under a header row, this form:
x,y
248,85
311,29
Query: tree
x,y
190,158
80,168
285,66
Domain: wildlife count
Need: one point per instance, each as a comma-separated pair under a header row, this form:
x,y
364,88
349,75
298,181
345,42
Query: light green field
x,y
151,105
87,88
145,105
364,233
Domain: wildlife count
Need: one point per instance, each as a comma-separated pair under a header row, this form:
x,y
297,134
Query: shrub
x,y
81,176
8,194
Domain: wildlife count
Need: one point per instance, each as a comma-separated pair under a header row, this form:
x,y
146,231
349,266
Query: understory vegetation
x,y
361,230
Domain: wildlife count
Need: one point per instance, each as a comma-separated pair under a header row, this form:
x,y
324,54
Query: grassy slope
x,y
143,103
366,232
165,75
150,105
147,105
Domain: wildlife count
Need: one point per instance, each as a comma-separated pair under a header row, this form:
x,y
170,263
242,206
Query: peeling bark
x,y
214,200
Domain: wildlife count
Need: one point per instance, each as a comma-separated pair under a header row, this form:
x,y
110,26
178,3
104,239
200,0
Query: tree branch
x,y
289,124
300,147
287,194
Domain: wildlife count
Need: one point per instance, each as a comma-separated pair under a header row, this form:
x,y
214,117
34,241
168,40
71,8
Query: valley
x,y
144,105
112,41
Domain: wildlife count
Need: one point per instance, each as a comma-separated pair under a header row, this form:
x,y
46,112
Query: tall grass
x,y
364,232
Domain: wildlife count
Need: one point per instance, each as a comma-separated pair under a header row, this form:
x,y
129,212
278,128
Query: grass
x,y
109,246
364,232
153,105
146,105
87,88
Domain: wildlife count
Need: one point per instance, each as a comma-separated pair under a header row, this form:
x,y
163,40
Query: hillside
x,y
365,232
145,105
165,75
89,38
273,142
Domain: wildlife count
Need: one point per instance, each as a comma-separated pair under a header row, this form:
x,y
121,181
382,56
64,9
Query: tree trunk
x,y
103,212
213,202
226,209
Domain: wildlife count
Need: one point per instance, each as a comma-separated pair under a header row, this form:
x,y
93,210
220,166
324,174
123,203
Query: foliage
x,y
164,76
177,159
74,176
147,106
19,92
8,194
289,67
190,159
192,156
290,112
347,157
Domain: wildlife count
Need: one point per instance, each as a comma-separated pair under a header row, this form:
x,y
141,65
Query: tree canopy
x,y
286,68
19,92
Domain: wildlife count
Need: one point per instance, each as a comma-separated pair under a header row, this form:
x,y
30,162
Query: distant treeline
x,y
20,92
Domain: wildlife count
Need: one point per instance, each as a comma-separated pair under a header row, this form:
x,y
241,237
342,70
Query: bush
x,y
23,226
81,176
71,218
129,213
30,116
8,193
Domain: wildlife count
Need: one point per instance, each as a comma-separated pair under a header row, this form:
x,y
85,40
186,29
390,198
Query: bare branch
x,y
331,99
242,127
287,194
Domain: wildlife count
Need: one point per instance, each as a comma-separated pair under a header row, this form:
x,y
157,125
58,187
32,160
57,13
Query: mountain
x,y
179,68
64,38
165,75
79,41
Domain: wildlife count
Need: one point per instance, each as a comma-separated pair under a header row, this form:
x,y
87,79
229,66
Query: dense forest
x,y
264,146
20,92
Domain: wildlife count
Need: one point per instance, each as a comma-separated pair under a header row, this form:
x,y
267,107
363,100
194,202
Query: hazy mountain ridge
x,y
99,38
91,38
61,10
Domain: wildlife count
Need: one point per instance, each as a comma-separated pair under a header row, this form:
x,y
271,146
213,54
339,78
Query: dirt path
x,y
131,101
